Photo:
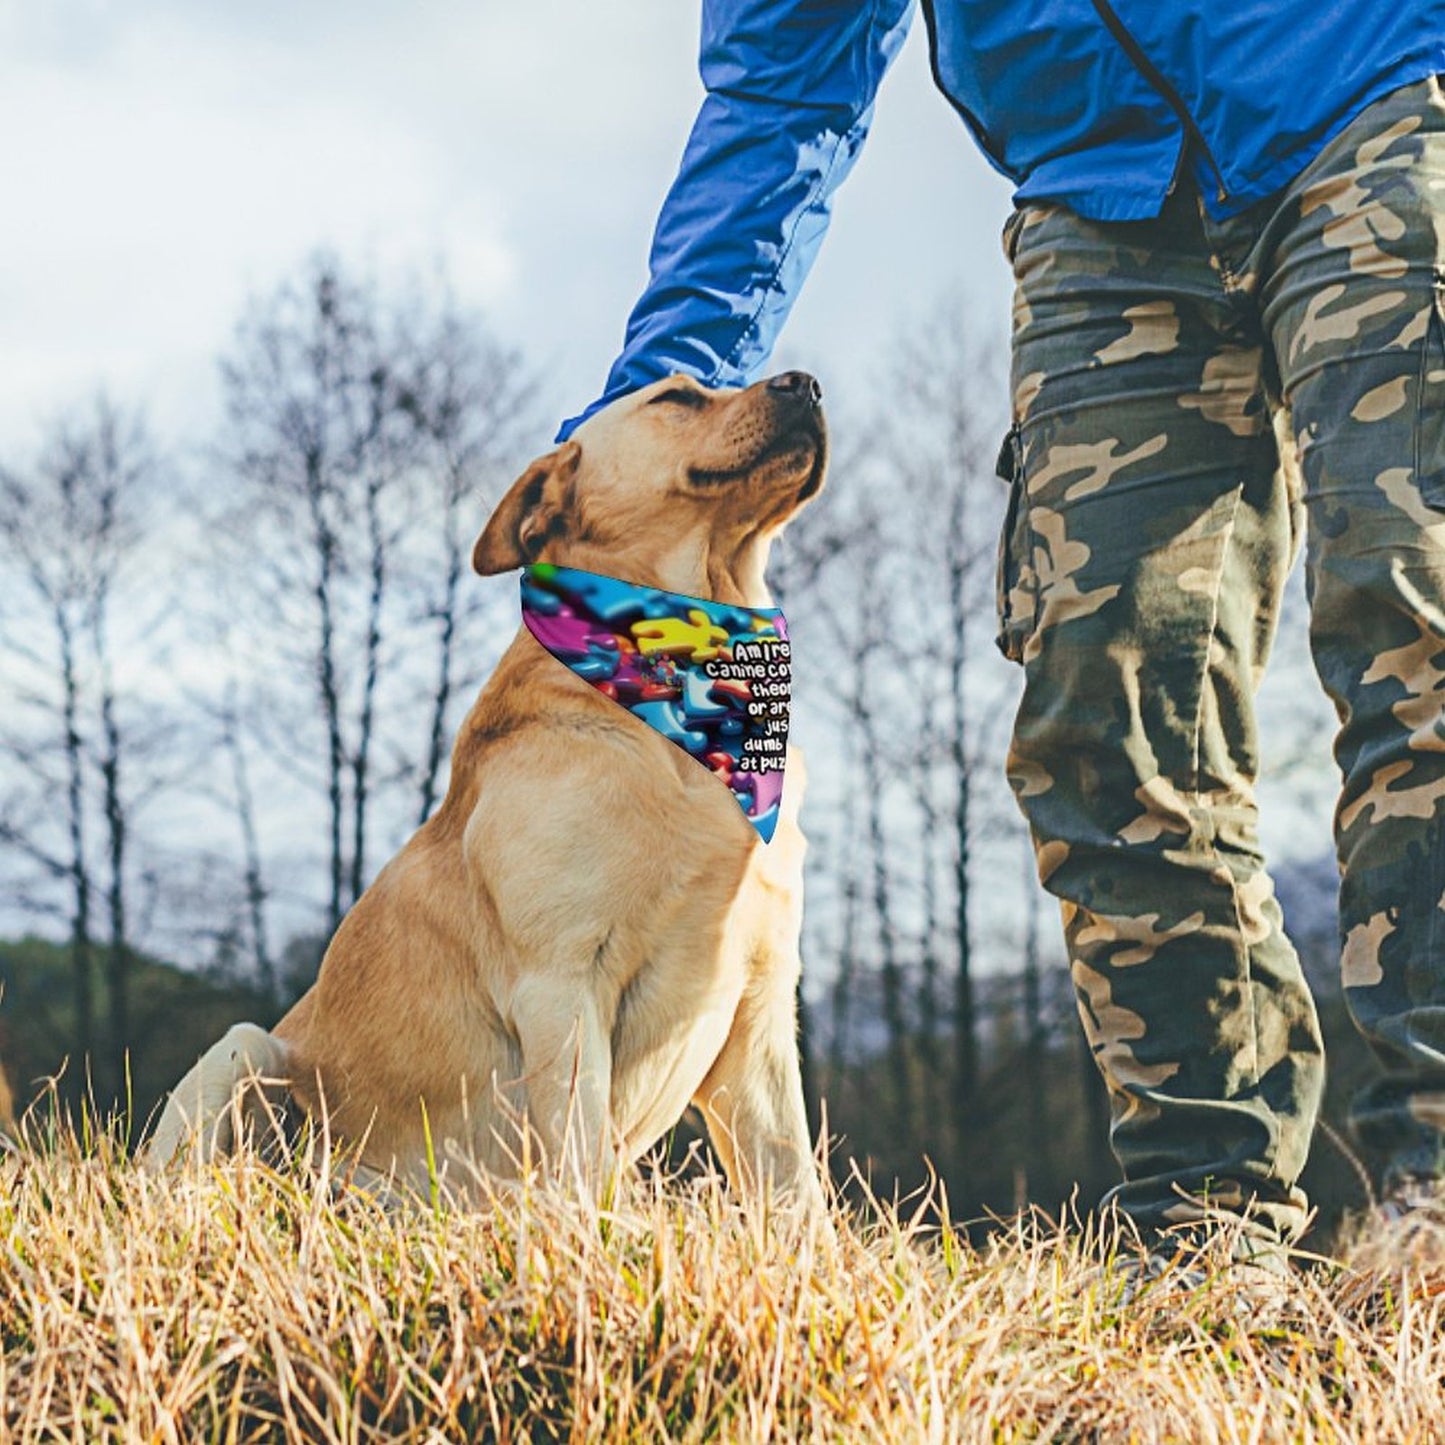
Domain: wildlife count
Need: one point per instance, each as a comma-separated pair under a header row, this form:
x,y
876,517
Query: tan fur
x,y
588,934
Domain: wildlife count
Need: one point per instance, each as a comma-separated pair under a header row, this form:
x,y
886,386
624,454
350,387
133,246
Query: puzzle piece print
x,y
698,637
661,667
738,690
597,666
738,620
765,822
616,603
697,699
538,599
769,791
636,682
665,717
568,636
722,764
644,649
630,690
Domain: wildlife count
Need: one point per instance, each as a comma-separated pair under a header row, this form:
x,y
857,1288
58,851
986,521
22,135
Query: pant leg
x,y
1151,542
1354,305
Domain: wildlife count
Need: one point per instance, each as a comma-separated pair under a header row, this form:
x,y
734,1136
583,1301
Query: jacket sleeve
x,y
790,88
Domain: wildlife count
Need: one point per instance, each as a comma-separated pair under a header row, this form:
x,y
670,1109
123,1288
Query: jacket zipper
x,y
1155,77
976,129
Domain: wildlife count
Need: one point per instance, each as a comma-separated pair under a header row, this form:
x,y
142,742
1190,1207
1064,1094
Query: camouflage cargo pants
x,y
1151,530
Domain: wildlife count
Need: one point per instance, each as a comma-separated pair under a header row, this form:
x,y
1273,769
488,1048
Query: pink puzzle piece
x,y
569,636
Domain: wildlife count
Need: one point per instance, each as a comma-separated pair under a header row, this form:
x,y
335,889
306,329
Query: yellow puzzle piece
x,y
699,636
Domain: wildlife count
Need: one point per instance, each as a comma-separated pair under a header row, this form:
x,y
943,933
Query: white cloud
x,y
168,159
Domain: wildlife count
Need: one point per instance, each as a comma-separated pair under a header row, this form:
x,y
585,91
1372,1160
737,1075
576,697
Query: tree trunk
x,y
842,992
256,894
895,1014
325,543
965,1040
79,870
441,700
928,972
118,956
361,761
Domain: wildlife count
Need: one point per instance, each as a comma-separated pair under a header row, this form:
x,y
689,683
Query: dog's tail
x,y
238,1086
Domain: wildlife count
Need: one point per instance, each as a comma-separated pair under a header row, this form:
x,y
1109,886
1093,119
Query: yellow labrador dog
x,y
589,934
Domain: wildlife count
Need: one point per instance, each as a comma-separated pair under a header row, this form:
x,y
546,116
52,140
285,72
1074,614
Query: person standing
x,y
1224,214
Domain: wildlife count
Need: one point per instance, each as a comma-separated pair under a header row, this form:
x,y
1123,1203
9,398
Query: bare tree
x,y
895,1011
118,461
849,623
472,401
902,602
308,392
941,440
931,837
366,436
256,892
69,527
846,963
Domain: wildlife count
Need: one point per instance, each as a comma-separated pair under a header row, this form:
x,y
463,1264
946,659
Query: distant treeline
x,y
236,669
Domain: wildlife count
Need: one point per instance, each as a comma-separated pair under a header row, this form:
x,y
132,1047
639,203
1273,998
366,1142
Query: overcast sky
x,y
164,158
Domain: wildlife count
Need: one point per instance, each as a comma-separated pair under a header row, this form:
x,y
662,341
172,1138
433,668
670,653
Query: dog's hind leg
x,y
242,1078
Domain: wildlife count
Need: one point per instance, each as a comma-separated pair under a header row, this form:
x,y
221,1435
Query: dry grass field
x,y
250,1303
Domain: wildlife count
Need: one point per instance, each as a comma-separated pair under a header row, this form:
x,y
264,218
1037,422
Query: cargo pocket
x,y
1015,585
1430,409
1009,237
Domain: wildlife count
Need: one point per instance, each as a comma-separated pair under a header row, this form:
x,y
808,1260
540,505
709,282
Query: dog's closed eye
x,y
680,396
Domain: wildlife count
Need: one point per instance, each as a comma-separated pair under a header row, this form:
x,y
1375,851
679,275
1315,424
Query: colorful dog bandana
x,y
712,678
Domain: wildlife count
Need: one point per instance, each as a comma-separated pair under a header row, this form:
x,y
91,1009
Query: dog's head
x,y
675,486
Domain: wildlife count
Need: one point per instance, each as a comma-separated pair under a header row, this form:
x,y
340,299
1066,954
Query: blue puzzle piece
x,y
599,664
766,823
729,701
665,717
538,599
698,703
739,623
617,603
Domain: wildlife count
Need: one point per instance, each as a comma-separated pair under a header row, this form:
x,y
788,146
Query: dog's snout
x,y
798,385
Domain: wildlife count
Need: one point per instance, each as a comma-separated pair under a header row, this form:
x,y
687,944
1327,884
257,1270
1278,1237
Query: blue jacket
x,y
1097,104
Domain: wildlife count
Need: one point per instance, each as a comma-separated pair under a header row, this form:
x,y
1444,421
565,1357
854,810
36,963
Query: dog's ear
x,y
533,512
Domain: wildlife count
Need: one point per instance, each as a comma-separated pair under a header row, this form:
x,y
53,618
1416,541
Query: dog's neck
x,y
692,568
